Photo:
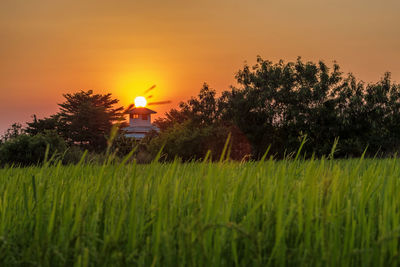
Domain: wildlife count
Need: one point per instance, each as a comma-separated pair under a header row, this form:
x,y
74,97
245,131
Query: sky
x,y
52,47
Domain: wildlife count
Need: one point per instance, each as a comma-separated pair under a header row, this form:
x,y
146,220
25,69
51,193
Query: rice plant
x,y
269,213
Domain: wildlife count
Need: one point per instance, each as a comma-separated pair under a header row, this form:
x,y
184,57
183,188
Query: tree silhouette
x,y
86,118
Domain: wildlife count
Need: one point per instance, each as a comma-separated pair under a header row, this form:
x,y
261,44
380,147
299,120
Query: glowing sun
x,y
140,102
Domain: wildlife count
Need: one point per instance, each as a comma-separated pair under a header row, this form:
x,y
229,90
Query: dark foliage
x,y
14,131
273,105
37,126
25,150
195,129
87,119
83,122
278,104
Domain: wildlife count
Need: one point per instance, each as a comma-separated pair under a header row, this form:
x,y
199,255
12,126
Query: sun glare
x,y
140,101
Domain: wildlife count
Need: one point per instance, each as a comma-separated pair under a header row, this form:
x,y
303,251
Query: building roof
x,y
142,111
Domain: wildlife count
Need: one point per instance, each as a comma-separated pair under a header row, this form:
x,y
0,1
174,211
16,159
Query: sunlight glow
x,y
140,101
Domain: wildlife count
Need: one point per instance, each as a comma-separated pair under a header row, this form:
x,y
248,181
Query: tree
x,y
188,132
46,124
195,128
86,119
277,104
14,131
29,150
201,110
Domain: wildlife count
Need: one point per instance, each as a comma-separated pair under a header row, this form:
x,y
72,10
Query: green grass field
x,y
290,212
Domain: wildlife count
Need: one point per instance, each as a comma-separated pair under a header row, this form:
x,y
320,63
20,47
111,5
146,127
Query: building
x,y
140,123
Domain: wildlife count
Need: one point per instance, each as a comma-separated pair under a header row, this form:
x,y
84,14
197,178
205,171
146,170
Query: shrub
x,y
188,142
26,150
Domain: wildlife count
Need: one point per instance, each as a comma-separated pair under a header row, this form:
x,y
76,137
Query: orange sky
x,y
50,47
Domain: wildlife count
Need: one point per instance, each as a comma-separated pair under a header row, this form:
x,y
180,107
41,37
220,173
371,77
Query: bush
x,y
122,145
189,142
72,155
27,150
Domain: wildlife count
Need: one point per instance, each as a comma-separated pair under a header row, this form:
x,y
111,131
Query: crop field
x,y
290,212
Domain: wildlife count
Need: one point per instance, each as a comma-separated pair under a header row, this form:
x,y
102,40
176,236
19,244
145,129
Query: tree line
x,y
272,106
84,122
277,105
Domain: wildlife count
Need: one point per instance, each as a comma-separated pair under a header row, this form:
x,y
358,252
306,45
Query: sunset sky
x,y
51,47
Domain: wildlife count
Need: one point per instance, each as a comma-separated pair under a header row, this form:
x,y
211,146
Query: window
x,y
144,117
133,116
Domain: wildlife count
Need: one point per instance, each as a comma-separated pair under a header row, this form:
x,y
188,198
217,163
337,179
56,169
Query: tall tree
x,y
196,127
277,104
87,118
201,110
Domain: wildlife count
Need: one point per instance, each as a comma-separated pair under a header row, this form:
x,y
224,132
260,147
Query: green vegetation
x,y
290,212
27,150
276,104
272,105
85,119
91,204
